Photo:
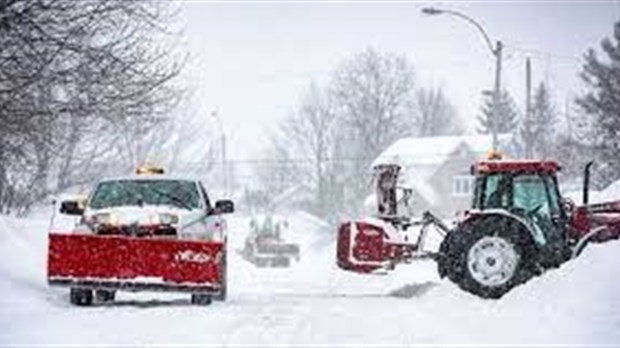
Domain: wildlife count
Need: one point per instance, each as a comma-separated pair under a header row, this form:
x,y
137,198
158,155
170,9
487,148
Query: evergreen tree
x,y
538,128
506,116
602,101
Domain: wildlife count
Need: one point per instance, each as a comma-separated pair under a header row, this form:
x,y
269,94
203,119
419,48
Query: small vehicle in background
x,y
265,245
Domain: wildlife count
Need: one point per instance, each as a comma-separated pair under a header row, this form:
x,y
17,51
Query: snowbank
x,y
313,303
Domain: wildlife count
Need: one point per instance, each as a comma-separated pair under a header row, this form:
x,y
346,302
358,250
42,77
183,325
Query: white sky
x,y
252,61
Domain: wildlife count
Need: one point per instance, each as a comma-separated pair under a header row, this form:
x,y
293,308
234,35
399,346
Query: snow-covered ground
x,y
312,303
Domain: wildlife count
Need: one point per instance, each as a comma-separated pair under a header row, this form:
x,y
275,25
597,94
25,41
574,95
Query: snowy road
x,y
312,303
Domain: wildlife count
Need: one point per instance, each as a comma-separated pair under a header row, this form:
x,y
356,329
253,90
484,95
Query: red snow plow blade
x,y
130,263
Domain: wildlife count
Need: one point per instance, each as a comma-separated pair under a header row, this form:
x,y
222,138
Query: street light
x,y
495,51
215,115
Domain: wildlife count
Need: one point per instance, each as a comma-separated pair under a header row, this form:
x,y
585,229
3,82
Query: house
x,y
437,169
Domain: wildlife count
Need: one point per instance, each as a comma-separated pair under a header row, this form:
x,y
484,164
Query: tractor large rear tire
x,y
488,257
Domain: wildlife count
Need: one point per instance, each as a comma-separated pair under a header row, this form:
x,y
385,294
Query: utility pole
x,y
498,89
497,53
528,136
224,171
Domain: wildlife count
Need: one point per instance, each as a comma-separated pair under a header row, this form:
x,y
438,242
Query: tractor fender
x,y
533,236
583,241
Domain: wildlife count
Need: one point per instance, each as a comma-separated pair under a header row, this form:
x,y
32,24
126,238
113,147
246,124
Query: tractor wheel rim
x,y
492,261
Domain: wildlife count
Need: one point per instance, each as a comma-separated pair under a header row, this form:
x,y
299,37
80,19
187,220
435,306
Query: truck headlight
x,y
98,219
168,219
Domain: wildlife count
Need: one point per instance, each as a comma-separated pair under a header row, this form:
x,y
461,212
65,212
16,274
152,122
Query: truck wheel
x,y
201,299
283,262
489,258
104,295
81,297
261,262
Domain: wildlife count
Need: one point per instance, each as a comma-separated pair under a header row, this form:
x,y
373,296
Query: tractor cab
x,y
528,191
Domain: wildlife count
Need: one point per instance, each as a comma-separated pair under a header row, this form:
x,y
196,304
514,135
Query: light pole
x,y
495,51
216,116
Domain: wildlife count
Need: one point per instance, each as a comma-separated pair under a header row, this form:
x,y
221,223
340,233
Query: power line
x,y
302,160
545,54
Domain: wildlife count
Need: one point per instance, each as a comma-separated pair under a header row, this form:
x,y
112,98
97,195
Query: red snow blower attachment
x,y
381,242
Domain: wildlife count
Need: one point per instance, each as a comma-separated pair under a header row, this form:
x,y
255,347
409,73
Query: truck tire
x,y
201,299
261,262
281,262
488,257
105,295
81,297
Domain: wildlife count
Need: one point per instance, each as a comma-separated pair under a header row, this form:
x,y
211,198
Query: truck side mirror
x,y
224,206
71,208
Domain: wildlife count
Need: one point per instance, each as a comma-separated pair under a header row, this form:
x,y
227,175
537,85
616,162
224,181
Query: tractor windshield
x,y
530,195
518,191
178,193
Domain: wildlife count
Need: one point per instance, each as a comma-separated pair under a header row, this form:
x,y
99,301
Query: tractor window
x,y
497,191
530,194
554,195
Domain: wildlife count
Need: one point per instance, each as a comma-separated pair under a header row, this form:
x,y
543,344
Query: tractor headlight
x,y
168,219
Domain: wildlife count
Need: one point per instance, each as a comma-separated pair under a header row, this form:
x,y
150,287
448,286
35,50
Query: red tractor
x,y
518,227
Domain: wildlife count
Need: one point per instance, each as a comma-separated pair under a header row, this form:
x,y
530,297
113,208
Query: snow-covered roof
x,y
419,158
433,150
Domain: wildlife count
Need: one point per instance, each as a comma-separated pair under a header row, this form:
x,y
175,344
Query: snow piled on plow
x,y
312,302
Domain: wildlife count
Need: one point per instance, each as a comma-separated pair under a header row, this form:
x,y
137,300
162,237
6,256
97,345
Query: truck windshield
x,y
178,193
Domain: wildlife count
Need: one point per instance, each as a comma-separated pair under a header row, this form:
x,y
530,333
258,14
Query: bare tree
x,y
436,115
338,130
82,84
310,133
374,94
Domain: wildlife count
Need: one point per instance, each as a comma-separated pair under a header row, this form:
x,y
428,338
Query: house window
x,y
462,185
